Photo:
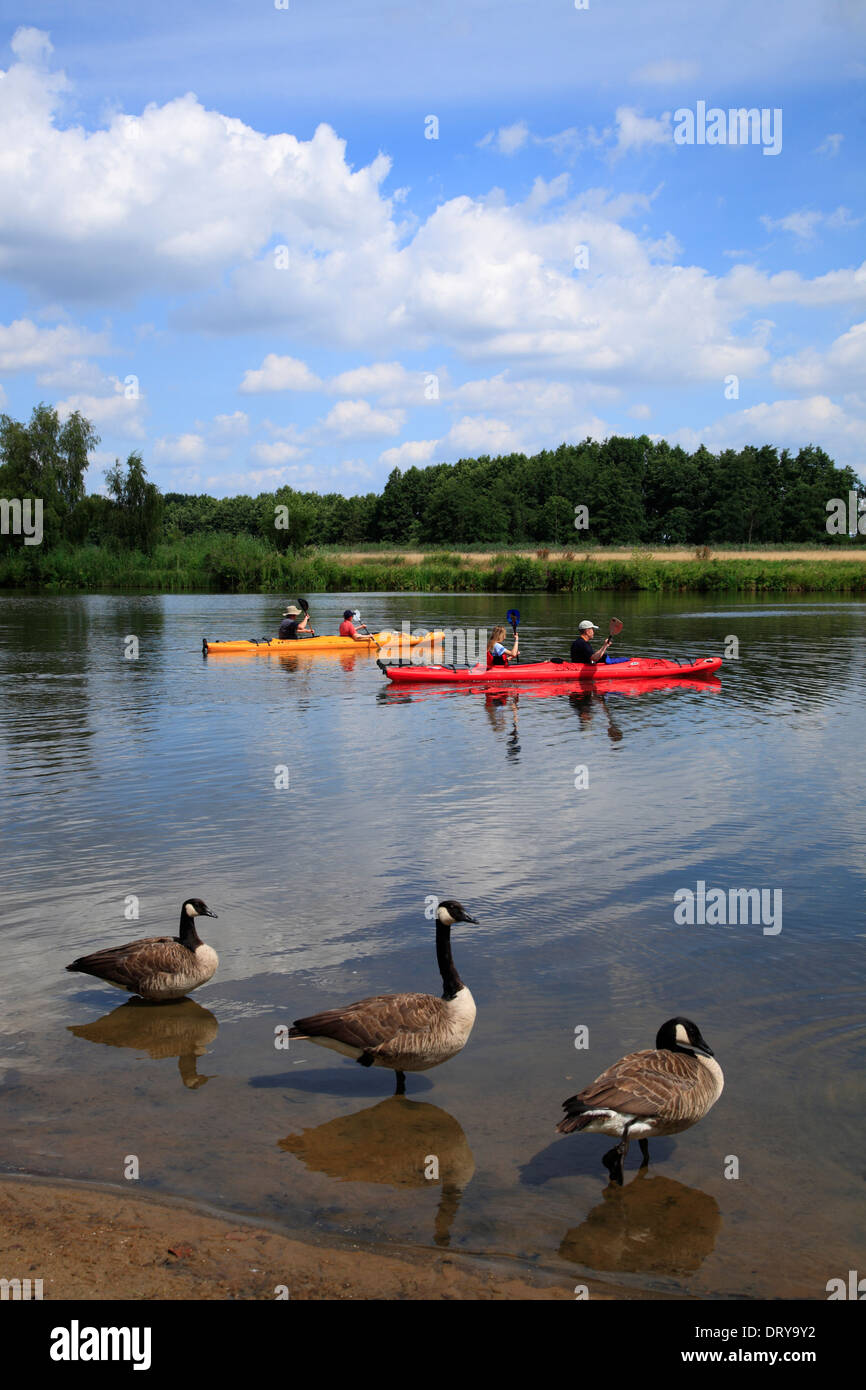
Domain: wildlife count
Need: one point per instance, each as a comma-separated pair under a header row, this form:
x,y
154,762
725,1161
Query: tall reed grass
x,y
245,564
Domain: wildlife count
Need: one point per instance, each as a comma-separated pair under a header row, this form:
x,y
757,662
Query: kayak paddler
x,y
348,628
581,649
497,653
290,627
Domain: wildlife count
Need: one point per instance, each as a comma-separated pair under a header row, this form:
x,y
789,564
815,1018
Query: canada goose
x,y
407,1032
157,967
661,1091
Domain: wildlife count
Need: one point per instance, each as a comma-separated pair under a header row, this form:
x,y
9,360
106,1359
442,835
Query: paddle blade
x,y
303,605
615,627
513,617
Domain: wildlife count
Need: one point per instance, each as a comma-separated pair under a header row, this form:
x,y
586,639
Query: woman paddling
x,y
497,653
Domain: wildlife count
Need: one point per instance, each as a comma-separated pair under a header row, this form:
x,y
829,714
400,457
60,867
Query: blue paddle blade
x,y
513,616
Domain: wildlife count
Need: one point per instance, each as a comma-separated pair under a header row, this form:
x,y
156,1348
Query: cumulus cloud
x,y
842,367
276,452
25,347
179,448
358,420
280,374
635,131
165,200
788,423
413,454
119,408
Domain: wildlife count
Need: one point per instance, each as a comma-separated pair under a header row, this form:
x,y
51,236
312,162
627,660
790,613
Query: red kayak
x,y
641,668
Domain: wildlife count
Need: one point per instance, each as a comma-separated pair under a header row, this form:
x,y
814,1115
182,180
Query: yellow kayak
x,y
261,646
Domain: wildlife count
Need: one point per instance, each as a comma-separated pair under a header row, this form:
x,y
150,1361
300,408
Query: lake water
x,y
155,777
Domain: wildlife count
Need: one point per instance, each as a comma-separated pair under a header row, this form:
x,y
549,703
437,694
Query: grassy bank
x,y
229,564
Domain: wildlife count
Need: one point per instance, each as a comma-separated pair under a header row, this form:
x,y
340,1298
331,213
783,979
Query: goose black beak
x,y
467,918
208,913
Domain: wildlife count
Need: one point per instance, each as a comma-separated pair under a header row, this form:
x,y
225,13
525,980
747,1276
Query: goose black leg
x,y
400,1089
612,1160
644,1148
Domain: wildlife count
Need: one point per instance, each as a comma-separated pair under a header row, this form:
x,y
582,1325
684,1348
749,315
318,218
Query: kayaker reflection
x,y
497,653
290,627
496,703
581,649
351,623
584,703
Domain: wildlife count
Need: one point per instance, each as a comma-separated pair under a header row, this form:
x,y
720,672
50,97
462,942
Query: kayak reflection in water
x,y
497,652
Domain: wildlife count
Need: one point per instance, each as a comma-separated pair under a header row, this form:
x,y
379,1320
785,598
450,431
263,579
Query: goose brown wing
x,y
645,1084
125,965
374,1023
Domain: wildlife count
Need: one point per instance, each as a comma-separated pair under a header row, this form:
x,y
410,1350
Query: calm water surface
x,y
155,778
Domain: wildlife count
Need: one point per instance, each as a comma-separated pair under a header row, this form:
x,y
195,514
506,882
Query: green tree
x,y
138,504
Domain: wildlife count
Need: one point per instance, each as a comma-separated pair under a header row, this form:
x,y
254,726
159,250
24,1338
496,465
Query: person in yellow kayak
x,y
348,628
290,627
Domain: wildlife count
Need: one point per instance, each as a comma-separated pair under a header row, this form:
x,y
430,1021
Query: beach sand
x,y
92,1243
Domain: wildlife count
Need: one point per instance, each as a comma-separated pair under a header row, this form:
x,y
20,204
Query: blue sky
x,y
225,237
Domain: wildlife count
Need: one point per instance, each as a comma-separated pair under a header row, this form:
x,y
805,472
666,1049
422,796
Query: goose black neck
x,y
187,933
451,981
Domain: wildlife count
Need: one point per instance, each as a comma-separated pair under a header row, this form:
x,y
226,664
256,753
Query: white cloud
x,y
114,410
2,396
830,145
841,367
805,224
31,46
509,138
280,374
634,131
179,448
25,347
414,453
358,420
390,382
640,412
787,423
277,452
230,427
165,200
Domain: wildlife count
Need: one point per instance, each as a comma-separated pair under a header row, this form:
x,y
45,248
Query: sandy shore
x,y
92,1243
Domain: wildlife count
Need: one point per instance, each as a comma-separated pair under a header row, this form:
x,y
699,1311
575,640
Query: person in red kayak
x,y
581,649
497,652
348,628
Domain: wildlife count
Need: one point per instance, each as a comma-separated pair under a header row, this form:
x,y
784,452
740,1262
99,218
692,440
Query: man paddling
x,y
582,651
348,629
290,627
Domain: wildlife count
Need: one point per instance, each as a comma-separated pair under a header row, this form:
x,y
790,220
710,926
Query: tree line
x,y
623,491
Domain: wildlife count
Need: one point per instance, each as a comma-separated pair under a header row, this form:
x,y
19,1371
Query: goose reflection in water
x,y
393,1144
184,1030
653,1225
